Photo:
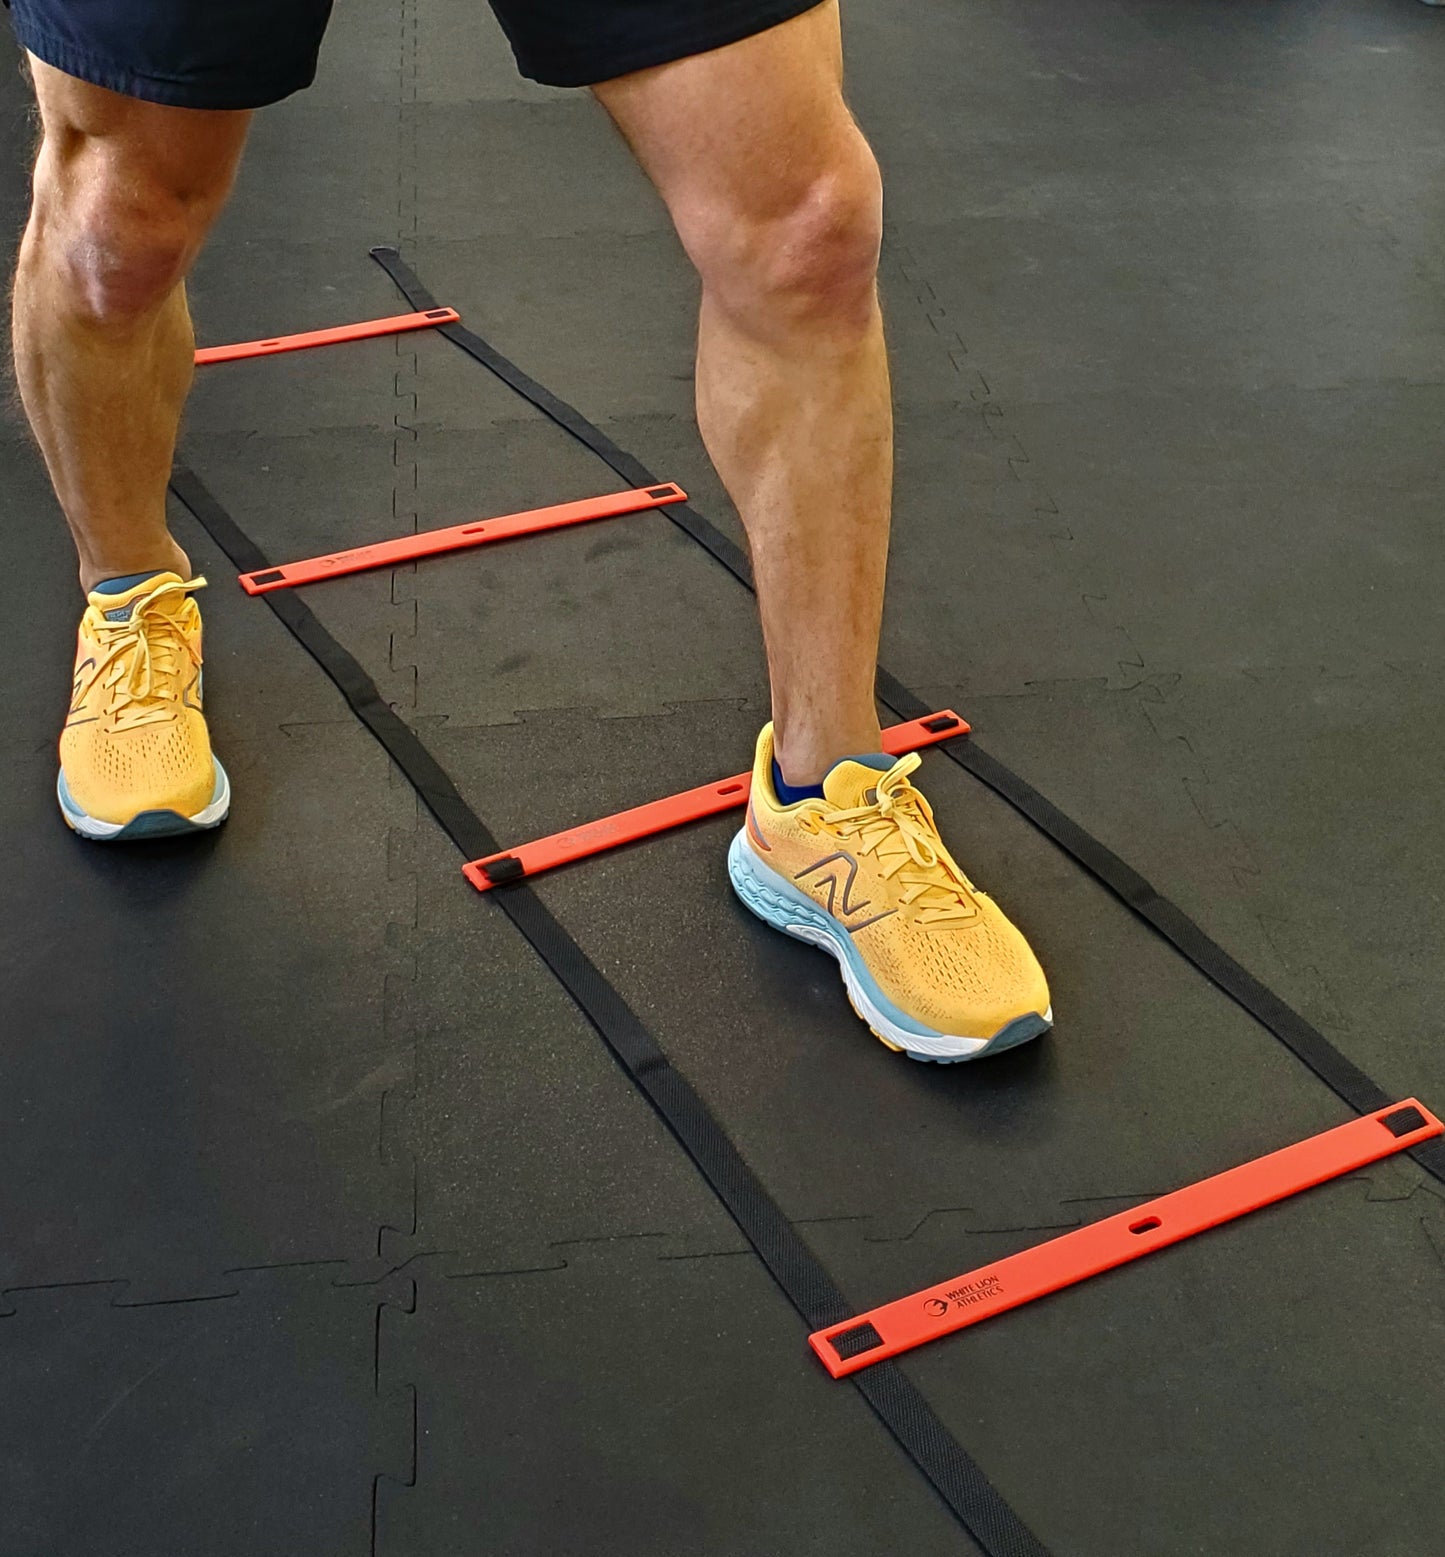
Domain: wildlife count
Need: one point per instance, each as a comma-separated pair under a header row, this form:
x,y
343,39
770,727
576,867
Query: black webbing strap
x,y
1305,1041
979,1507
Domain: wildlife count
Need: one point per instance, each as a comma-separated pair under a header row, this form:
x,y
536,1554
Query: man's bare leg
x,y
124,195
777,200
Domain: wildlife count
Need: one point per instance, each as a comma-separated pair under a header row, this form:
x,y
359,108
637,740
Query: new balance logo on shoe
x,y
824,879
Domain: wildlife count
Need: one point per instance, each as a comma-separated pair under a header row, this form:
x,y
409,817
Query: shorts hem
x,y
590,66
168,93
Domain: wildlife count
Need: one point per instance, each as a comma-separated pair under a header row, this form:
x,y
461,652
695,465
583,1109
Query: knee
x,y
807,258
116,238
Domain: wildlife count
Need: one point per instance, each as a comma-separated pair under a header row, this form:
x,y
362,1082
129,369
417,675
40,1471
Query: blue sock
x,y
118,586
791,794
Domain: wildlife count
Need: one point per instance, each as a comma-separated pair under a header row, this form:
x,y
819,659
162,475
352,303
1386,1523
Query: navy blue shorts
x,y
247,53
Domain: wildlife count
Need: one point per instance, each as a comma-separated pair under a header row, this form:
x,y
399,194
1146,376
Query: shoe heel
x,y
746,882
774,900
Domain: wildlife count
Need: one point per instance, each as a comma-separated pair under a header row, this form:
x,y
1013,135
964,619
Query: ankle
x,y
122,563
804,756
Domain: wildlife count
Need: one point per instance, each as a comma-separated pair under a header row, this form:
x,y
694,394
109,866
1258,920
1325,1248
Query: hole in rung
x,y
730,789
1404,1121
853,1343
439,313
1146,1226
473,529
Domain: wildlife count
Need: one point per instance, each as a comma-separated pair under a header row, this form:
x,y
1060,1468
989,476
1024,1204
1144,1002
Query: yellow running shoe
x,y
931,963
135,756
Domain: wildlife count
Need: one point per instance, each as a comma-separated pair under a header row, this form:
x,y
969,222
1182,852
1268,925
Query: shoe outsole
x,y
146,825
785,909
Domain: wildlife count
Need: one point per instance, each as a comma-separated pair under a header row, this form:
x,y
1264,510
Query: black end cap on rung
x,y
854,1342
941,722
1403,1121
508,868
267,578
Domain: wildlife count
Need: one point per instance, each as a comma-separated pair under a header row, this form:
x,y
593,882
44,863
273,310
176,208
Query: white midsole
x,y
209,815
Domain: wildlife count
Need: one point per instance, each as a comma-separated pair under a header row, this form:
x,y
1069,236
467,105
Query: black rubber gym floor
x,y
329,1223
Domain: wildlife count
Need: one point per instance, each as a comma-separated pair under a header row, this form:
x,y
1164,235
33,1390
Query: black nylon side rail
x,y
976,1503
1305,1041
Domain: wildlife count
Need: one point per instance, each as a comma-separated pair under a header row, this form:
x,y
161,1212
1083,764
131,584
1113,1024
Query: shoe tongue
x,y
117,606
849,784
